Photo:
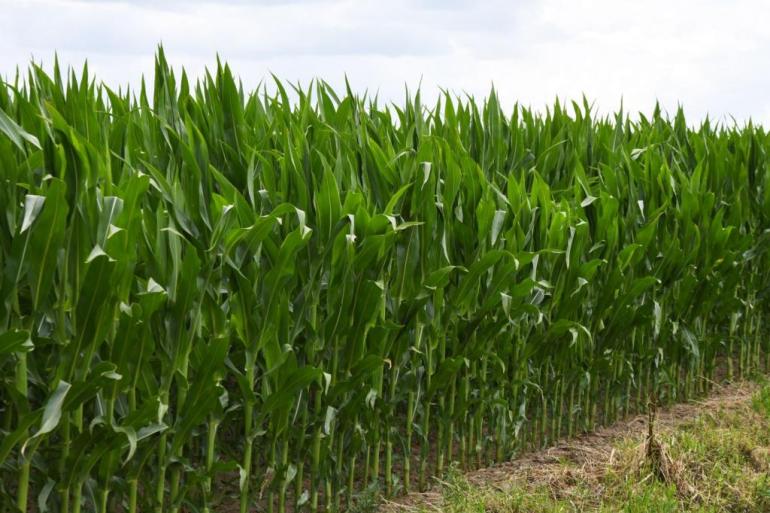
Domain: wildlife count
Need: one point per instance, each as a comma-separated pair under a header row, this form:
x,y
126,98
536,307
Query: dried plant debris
x,y
706,456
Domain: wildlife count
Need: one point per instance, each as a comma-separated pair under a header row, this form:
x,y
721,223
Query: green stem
x,y
160,483
133,493
22,492
248,412
210,455
408,452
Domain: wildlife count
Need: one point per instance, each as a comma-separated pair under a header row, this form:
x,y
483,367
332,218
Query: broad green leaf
x,y
15,341
15,133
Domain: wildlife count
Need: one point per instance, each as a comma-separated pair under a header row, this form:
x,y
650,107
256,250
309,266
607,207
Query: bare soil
x,y
590,453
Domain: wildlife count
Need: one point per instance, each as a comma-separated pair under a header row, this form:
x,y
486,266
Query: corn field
x,y
215,300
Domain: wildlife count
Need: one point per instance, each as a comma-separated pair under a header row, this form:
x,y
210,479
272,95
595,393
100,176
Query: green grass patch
x,y
720,463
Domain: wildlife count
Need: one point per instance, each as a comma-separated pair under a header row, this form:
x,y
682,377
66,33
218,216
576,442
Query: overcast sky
x,y
711,56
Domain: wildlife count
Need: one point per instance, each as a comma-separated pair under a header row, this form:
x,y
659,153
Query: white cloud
x,y
708,55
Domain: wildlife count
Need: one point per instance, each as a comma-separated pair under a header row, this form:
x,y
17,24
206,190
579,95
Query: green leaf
x,y
15,133
33,204
52,412
286,395
328,205
45,239
15,341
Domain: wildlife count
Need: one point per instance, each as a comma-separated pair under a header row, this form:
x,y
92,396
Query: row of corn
x,y
293,299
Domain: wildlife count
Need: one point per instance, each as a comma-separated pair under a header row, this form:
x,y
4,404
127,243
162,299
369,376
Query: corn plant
x,y
285,298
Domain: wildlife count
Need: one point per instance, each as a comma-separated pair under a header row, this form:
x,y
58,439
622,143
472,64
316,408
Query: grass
x,y
720,463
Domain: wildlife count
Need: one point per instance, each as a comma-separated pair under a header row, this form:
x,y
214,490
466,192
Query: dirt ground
x,y
588,455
